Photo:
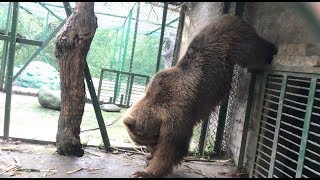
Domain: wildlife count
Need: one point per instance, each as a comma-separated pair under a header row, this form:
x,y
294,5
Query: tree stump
x,y
72,46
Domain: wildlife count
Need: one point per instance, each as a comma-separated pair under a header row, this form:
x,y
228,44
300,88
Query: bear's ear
x,y
129,121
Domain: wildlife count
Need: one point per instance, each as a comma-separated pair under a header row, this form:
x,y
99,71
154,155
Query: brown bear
x,y
178,98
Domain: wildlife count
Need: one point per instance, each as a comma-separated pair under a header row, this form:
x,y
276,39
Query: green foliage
x,y
106,50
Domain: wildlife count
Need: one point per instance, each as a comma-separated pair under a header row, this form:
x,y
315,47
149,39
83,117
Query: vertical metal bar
x,y
115,88
127,89
119,58
126,41
12,49
223,107
277,128
5,49
100,83
246,121
67,8
262,90
220,129
39,49
125,52
147,81
121,99
134,37
177,45
130,91
96,107
239,9
306,125
203,136
226,8
164,18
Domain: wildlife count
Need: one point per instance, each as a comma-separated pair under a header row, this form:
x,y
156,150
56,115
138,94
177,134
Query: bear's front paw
x,y
141,174
144,174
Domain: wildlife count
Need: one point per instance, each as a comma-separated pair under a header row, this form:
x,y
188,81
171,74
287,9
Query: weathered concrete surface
x,y
198,15
94,164
282,24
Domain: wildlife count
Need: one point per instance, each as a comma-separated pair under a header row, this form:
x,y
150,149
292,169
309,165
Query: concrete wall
x,y
198,15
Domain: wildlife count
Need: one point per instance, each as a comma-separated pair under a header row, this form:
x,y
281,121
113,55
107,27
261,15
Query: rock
x,y
110,108
38,74
49,98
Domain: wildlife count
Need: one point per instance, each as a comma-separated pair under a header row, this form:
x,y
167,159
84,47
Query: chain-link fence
x,y
38,25
237,93
236,97
133,45
127,38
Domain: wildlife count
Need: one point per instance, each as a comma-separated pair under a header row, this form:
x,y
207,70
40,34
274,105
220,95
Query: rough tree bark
x,y
72,46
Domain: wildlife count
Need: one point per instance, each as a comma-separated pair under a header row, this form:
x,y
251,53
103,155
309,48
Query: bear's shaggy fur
x,y
179,97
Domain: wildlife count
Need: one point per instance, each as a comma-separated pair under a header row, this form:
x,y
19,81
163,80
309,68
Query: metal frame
x,y
164,18
9,73
131,77
302,71
177,45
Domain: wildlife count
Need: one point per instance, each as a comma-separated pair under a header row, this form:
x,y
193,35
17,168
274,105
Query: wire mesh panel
x,y
288,137
4,8
128,39
36,22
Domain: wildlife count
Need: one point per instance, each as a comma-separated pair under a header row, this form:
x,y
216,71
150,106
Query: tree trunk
x,y
72,46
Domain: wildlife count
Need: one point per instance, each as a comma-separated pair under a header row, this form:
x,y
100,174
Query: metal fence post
x,y
306,126
12,49
246,120
5,49
223,108
163,26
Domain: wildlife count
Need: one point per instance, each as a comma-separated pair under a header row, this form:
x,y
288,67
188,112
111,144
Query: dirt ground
x,y
22,160
30,121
